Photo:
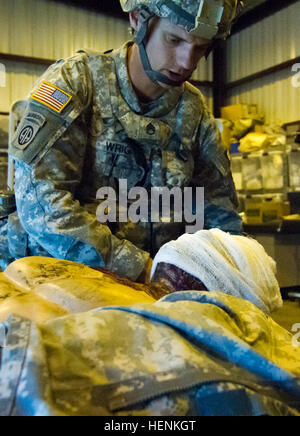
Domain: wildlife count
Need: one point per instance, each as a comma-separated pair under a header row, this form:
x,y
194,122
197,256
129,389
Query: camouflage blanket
x,y
43,288
190,353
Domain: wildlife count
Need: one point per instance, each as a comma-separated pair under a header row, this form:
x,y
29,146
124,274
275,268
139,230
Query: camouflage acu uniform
x,y
103,134
191,353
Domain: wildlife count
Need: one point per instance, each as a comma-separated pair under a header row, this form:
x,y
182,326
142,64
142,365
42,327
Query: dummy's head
x,y
185,28
213,260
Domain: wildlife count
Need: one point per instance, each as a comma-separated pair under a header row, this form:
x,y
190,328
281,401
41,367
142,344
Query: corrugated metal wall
x,y
205,70
272,41
20,78
49,30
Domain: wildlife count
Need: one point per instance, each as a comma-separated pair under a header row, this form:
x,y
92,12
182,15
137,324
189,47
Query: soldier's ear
x,y
134,20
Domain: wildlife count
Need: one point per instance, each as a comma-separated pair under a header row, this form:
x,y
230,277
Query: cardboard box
x,y
237,111
261,212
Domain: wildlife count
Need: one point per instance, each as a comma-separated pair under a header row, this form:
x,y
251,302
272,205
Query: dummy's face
x,y
173,279
174,52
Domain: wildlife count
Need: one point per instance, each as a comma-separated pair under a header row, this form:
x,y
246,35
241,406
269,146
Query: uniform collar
x,y
156,108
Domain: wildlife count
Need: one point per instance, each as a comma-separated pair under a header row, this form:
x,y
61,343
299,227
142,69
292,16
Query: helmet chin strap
x,y
140,40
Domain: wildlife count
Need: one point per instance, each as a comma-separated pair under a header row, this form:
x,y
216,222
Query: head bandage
x,y
234,265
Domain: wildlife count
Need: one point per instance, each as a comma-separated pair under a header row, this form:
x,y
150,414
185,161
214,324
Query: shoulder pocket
x,y
39,129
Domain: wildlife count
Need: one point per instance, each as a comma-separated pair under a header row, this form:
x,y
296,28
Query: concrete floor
x,y
288,315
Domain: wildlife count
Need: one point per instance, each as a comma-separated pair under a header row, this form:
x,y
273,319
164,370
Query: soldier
x,y
126,114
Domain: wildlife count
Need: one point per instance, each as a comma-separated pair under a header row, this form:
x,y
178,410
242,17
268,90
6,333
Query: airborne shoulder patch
x,y
28,129
51,96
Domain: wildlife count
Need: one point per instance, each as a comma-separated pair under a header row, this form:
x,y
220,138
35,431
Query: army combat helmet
x,y
208,19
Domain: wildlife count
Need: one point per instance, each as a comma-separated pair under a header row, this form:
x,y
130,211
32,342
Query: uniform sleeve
x,y
49,150
212,171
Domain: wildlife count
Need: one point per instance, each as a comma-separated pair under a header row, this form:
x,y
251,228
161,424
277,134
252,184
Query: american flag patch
x,y
52,96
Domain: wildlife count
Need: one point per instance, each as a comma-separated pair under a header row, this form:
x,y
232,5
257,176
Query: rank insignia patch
x,y
52,96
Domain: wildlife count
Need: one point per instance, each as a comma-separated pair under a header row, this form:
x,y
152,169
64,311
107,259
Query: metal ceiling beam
x,y
107,7
258,13
27,59
260,74
113,8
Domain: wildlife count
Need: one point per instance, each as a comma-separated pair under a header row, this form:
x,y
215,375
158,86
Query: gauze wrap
x,y
234,265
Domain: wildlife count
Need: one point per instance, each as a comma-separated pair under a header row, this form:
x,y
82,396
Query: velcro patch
x,y
52,96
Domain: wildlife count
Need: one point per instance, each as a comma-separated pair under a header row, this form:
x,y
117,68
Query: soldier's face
x,y
174,52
